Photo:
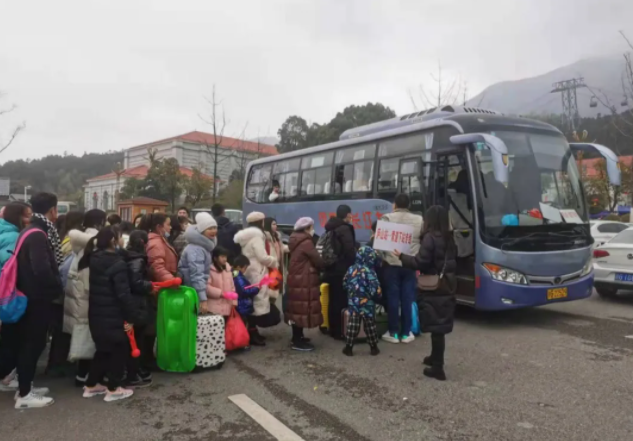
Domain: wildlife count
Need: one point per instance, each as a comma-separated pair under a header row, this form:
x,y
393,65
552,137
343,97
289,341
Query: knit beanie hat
x,y
204,221
255,216
303,223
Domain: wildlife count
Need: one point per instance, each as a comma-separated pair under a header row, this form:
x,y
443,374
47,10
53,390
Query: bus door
x,y
411,183
451,188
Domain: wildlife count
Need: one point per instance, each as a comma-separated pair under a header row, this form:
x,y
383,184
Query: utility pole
x,y
569,99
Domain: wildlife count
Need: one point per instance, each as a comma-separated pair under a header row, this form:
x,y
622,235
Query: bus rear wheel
x,y
606,293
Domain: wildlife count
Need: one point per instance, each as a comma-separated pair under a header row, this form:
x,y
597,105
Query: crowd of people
x,y
89,271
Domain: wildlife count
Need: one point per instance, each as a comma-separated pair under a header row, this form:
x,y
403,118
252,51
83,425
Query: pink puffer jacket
x,y
219,283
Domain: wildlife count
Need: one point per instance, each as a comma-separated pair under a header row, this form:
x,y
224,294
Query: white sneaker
x,y
90,392
11,386
33,401
408,339
41,391
119,394
390,338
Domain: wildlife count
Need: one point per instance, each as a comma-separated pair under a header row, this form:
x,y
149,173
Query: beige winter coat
x,y
78,283
253,243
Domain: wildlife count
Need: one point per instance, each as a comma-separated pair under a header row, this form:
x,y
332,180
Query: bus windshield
x,y
544,185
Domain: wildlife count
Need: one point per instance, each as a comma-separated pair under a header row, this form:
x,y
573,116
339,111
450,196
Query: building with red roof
x,y
191,150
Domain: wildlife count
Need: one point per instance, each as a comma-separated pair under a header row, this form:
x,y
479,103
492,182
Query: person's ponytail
x,y
101,241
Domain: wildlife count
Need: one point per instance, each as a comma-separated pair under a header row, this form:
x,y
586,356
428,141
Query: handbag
x,y
431,282
236,334
82,347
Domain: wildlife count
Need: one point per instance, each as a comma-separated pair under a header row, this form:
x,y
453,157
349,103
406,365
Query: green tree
x,y
165,181
296,134
197,187
293,134
132,188
231,195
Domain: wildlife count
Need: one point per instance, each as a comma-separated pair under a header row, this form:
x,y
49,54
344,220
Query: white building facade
x,y
191,150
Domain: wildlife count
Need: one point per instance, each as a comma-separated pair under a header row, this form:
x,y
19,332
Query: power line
x,y
569,99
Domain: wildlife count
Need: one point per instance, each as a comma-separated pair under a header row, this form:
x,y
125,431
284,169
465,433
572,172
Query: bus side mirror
x,y
498,150
611,159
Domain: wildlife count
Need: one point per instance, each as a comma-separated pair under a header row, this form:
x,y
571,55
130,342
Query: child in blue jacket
x,y
245,296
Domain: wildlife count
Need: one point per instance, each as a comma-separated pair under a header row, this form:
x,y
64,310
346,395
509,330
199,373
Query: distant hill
x,y
62,175
531,95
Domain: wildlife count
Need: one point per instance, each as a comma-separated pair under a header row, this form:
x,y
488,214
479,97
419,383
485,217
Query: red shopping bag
x,y
236,333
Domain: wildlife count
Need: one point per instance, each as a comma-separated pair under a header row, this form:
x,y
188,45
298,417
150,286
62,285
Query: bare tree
x,y
221,148
16,130
444,92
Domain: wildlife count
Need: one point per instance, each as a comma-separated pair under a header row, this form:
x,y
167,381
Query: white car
x,y
613,264
602,231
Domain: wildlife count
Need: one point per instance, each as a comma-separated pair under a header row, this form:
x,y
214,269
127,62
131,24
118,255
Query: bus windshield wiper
x,y
544,235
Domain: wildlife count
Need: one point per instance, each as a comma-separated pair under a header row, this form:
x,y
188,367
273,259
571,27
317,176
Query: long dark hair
x,y
176,228
101,241
268,227
95,219
217,252
436,221
154,220
138,217
138,241
14,214
73,221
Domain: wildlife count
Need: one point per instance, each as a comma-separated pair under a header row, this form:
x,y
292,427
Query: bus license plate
x,y
624,277
556,293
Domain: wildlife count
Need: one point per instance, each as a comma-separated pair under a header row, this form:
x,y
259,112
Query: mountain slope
x,y
532,95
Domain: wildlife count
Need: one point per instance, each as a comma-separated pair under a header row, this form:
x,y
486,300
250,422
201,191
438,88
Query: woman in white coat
x,y
253,243
78,282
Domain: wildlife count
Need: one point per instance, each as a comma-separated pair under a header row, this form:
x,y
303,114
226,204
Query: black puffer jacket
x,y
437,308
345,246
111,303
140,285
38,275
226,234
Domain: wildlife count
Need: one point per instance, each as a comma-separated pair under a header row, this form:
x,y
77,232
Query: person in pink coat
x,y
221,297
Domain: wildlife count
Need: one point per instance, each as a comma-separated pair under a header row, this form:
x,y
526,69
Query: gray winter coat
x,y
195,262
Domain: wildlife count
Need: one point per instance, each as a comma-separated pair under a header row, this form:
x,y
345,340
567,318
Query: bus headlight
x,y
587,268
505,275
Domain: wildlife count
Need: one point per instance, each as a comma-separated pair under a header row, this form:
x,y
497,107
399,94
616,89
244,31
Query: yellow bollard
x,y
325,301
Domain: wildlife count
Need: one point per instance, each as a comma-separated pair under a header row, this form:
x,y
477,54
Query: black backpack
x,y
327,249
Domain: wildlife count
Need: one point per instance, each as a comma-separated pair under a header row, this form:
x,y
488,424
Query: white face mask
x,y
311,232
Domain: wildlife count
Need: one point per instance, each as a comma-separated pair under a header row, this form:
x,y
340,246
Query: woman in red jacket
x,y
161,256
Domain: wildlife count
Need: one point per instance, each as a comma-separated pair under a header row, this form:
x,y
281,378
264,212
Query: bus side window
x,y
316,175
354,169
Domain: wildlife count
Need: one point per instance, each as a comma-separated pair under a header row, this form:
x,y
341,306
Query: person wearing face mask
x,y
195,263
161,256
303,309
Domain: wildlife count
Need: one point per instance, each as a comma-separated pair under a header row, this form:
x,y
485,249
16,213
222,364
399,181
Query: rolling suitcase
x,y
177,323
210,342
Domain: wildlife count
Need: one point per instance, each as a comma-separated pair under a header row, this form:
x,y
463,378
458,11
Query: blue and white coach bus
x,y
511,185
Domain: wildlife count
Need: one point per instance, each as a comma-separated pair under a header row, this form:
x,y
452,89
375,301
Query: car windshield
x,y
625,237
543,184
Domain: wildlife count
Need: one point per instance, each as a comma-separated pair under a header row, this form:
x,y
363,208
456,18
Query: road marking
x,y
628,336
264,419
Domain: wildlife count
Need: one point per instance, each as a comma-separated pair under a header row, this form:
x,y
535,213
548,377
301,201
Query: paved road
x,y
562,372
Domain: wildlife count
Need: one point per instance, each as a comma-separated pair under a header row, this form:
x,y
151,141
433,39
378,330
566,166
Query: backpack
x,y
12,301
326,248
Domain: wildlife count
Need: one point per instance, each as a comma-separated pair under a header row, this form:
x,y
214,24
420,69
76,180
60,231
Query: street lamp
x,y
26,188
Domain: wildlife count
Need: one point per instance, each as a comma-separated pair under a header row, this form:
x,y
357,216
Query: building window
x,y
126,214
106,200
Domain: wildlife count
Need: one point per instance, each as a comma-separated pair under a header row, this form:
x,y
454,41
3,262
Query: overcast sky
x,y
93,76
